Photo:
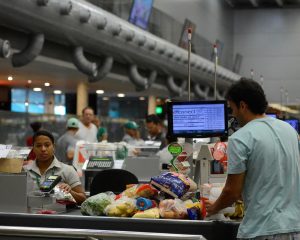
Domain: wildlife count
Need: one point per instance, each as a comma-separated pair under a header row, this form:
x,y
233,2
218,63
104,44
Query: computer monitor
x,y
294,123
197,119
273,115
140,13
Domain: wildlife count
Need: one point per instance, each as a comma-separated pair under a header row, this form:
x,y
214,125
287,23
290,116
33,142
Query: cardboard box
x,y
11,165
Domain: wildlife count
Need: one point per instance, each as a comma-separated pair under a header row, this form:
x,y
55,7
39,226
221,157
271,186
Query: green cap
x,y
131,125
73,123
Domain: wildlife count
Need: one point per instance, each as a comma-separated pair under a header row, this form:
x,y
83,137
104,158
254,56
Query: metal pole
x,y
216,63
189,62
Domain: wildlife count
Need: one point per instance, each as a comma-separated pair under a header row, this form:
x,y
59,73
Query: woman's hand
x,y
65,187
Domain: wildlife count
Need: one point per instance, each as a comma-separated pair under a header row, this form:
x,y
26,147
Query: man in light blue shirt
x,y
263,168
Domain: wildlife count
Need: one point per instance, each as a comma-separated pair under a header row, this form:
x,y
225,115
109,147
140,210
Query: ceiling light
x,y
100,91
10,78
37,89
26,104
29,81
105,98
57,92
142,98
121,95
47,84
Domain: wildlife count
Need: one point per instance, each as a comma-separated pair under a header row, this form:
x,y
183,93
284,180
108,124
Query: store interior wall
x,y
268,40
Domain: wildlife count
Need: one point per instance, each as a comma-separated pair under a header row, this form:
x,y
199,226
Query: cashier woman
x,y
46,164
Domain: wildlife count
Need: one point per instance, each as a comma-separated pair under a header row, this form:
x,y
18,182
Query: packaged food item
x,y
172,209
138,190
149,213
145,203
123,207
174,184
63,197
95,205
194,210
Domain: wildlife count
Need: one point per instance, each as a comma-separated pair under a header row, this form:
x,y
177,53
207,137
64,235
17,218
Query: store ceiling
x,y
65,77
256,4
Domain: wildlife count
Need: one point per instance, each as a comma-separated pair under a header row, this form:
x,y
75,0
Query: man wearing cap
x,y
65,145
132,135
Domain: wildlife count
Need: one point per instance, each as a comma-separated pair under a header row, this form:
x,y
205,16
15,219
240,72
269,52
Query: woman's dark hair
x,y
43,133
251,93
36,126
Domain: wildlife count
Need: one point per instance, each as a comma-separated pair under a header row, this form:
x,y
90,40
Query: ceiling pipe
x,y
30,52
84,15
103,69
174,88
201,92
5,49
65,7
141,83
83,64
42,2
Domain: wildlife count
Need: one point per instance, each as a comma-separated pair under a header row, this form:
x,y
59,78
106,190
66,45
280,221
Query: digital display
x,y
140,13
100,158
52,177
294,123
197,119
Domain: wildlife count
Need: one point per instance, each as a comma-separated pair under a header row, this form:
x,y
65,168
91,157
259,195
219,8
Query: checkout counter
x,y
16,220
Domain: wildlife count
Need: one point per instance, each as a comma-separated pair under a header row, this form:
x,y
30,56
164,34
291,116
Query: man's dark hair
x,y
43,133
86,108
153,118
250,92
36,126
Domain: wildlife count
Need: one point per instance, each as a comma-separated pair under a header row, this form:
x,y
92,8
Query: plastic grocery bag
x,y
123,207
95,205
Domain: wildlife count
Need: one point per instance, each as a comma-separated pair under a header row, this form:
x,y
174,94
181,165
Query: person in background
x,y
35,126
132,135
102,134
46,165
87,130
263,167
65,145
155,130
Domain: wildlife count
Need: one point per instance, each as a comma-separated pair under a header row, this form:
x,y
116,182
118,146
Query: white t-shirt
x,y
88,134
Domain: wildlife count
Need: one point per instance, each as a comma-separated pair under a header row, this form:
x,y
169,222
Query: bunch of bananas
x,y
239,210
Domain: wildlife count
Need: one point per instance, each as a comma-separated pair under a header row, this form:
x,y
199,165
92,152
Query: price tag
x,y
4,150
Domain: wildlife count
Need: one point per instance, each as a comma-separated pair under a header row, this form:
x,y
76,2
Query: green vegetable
x,y
95,205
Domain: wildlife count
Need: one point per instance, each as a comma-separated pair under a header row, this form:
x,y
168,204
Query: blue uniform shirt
x,y
267,150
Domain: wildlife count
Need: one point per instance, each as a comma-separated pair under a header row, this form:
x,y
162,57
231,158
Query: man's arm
x,y
231,193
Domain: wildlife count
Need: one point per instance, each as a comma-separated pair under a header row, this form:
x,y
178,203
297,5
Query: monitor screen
x,y
140,13
294,123
273,115
197,119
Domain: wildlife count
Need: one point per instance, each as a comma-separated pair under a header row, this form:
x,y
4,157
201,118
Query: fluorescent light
x,y
142,98
47,84
29,81
105,98
100,91
57,91
10,78
37,89
121,95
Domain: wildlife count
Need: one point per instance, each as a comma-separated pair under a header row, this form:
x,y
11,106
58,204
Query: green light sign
x,y
158,110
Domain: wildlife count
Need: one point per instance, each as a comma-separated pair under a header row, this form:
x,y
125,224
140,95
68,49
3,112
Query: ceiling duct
x,y
92,28
5,49
221,95
103,69
83,64
201,92
141,83
30,52
174,88
65,7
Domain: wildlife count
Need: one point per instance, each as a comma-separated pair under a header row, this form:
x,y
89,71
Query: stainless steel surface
x,y
90,233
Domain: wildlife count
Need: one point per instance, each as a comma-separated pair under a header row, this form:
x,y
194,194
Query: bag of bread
x,y
172,209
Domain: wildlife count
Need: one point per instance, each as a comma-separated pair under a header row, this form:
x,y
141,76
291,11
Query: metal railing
x,y
90,233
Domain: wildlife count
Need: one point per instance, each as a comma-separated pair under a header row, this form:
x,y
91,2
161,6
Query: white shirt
x,y
88,134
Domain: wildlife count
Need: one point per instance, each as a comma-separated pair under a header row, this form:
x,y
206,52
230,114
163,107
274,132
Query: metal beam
x,y
279,3
254,3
